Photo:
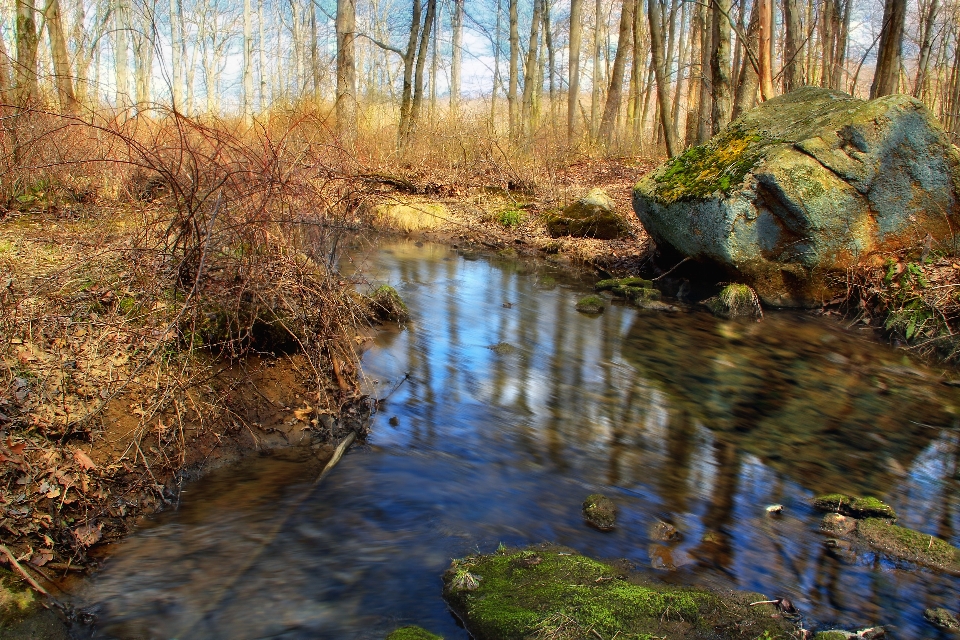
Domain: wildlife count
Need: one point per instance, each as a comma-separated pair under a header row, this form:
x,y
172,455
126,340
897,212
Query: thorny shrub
x,y
142,250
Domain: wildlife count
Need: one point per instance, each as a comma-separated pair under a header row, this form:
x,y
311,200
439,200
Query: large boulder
x,y
803,187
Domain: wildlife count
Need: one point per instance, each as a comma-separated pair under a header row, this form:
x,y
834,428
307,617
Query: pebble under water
x,y
516,408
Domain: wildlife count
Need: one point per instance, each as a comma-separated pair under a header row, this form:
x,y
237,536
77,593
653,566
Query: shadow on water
x,y
516,407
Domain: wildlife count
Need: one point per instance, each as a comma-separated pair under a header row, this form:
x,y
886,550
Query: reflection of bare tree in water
x,y
672,479
716,549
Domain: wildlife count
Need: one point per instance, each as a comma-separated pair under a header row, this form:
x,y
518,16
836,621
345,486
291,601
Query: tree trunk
x,y
176,46
496,67
659,68
792,70
595,96
765,57
551,56
681,67
422,54
749,82
247,62
514,68
573,97
696,75
720,65
61,60
530,69
926,44
143,52
840,53
121,52
456,24
886,80
705,117
615,92
314,52
346,73
261,54
406,100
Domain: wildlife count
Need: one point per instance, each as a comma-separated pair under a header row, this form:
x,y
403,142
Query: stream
x,y
516,408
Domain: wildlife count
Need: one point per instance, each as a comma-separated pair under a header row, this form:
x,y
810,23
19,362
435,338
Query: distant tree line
x,y
674,71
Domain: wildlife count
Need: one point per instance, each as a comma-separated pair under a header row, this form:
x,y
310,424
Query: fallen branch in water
x,y
23,572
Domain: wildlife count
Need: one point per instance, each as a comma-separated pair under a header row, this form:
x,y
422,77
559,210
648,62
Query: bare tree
x,y
422,53
247,62
409,56
58,53
514,68
926,44
886,79
792,54
573,97
530,78
615,92
720,65
456,25
27,39
654,12
346,72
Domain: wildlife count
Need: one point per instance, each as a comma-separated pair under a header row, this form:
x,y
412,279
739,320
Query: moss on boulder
x,y
803,187
866,507
591,304
557,593
592,216
735,301
413,633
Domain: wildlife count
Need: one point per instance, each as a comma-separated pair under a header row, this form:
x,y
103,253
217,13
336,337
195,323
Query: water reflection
x,y
516,407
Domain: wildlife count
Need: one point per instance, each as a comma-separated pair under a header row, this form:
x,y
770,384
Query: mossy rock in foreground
x,y
413,633
866,507
554,592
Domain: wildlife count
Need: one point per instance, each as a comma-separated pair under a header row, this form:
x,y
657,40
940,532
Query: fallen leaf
x,y
16,449
41,557
84,460
88,534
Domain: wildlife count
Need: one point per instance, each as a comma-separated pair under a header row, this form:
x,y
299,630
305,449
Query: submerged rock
x,y
600,512
836,524
592,216
584,596
735,301
866,507
942,619
804,186
591,304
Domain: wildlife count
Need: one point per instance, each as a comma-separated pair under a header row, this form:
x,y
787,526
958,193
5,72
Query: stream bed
x,y
514,408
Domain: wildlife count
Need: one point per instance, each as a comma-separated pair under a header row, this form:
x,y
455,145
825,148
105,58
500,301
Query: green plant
x,y
510,217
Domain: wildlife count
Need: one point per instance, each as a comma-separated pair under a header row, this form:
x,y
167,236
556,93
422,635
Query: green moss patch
x,y
906,544
555,593
413,633
17,600
591,304
618,285
866,507
735,301
388,305
717,166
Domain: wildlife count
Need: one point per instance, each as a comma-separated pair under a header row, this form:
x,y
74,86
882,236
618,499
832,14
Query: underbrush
x,y
913,297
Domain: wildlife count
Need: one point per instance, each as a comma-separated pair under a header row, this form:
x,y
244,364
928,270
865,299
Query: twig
x,y
666,273
23,572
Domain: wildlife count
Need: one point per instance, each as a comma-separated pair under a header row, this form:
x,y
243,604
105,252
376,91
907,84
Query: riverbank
x,y
119,383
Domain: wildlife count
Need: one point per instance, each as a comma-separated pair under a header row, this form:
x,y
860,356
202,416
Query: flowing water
x,y
517,407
